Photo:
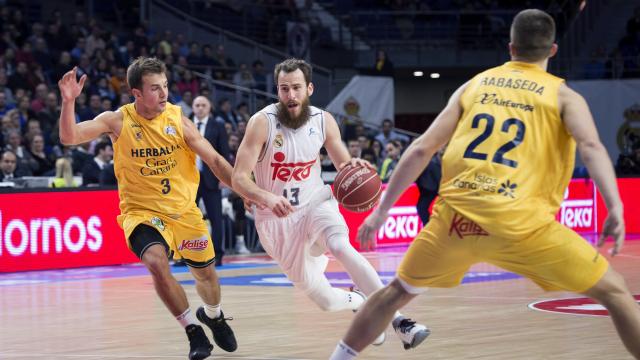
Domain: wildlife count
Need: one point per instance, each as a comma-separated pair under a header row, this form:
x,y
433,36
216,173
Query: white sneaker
x,y
382,337
242,250
410,333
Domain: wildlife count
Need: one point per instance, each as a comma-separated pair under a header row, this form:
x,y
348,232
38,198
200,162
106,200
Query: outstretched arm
x,y
218,164
72,133
579,122
411,164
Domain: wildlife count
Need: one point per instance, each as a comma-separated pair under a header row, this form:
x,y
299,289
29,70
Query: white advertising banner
x,y
615,105
368,98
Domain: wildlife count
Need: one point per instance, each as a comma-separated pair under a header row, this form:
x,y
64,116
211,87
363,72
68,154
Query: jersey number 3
x,y
498,157
166,186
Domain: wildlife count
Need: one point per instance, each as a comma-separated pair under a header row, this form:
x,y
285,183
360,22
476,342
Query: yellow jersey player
x,y
155,149
512,132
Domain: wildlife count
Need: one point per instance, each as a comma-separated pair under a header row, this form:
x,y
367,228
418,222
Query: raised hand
x,y
70,88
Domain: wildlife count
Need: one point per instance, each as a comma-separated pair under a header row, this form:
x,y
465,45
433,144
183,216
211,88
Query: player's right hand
x,y
70,88
367,231
613,227
280,206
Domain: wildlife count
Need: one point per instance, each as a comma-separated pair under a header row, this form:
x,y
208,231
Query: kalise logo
x,y
462,227
46,235
194,245
286,172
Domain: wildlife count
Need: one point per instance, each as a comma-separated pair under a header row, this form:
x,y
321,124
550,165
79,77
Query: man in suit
x,y
428,184
8,163
91,172
209,189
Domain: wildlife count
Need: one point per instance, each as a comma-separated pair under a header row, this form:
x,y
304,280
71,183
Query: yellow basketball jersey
x,y
510,157
155,168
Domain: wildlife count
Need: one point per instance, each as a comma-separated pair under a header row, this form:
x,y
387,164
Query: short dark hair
x,y
291,65
533,33
100,146
141,67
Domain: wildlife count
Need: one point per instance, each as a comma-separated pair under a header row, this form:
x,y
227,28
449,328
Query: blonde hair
x,y
63,170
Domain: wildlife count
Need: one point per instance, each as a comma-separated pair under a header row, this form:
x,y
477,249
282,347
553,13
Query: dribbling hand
x,y
613,227
70,88
367,231
357,162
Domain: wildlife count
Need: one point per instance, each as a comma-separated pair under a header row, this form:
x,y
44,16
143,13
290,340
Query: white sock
x,y
397,315
213,311
343,352
187,318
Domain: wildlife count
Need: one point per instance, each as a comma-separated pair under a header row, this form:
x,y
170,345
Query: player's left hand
x,y
249,204
613,227
367,231
357,162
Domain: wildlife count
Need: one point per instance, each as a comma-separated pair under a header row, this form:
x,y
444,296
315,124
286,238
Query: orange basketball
x,y
358,189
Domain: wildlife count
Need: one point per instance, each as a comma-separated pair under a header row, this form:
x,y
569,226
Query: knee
x,y
338,244
395,293
157,264
610,288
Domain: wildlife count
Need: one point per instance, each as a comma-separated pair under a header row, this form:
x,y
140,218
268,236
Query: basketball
x,y
358,189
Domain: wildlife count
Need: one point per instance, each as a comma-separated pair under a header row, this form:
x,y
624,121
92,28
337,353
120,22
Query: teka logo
x,y
573,306
35,236
403,223
465,227
286,172
195,244
578,208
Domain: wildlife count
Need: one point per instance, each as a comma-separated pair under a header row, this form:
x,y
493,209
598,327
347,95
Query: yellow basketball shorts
x,y
187,236
554,256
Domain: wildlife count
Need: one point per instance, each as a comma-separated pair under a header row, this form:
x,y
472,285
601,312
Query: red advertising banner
x,y
579,210
54,230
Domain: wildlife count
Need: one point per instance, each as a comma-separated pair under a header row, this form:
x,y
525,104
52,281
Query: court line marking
x,y
104,356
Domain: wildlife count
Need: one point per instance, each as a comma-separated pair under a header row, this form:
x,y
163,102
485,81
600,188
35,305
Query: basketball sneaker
x,y
362,298
222,333
409,332
200,347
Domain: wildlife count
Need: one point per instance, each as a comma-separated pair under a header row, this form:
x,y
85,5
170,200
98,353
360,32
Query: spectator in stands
x,y
63,65
392,155
226,64
104,90
108,176
259,76
4,106
209,187
45,161
225,113
13,143
353,146
80,156
242,112
4,88
103,154
388,134
106,104
24,111
383,66
244,77
629,163
49,115
370,156
64,174
38,103
8,162
185,103
21,78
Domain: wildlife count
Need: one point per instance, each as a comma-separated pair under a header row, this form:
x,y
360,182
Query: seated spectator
x,y
392,150
225,113
91,172
4,105
14,144
108,176
370,156
80,156
45,161
4,88
8,166
388,134
185,103
259,76
354,148
64,174
24,111
383,66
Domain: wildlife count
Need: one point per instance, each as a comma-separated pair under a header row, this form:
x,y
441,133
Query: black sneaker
x,y
222,333
200,347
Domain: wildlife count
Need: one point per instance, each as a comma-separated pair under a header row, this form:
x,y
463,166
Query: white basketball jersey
x,y
289,163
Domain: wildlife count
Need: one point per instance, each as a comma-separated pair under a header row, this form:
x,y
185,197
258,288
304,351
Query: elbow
x,y
234,180
589,148
67,140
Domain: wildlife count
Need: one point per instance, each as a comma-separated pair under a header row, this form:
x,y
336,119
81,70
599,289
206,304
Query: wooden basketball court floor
x,y
114,313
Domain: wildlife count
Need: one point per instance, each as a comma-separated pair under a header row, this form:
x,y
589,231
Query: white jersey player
x,y
299,219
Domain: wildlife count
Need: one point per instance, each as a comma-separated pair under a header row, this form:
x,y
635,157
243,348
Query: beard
x,y
294,122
